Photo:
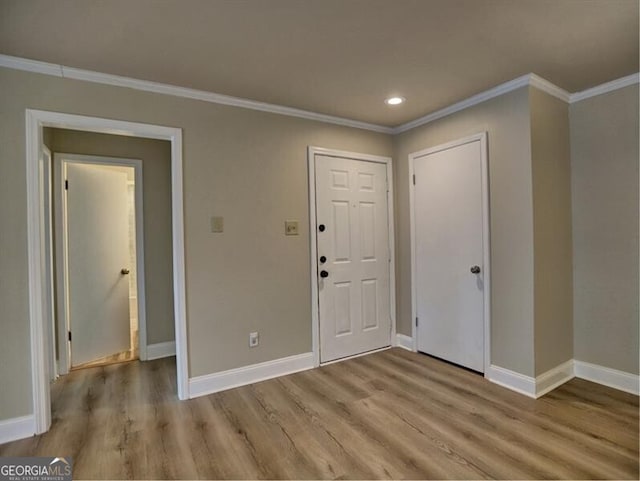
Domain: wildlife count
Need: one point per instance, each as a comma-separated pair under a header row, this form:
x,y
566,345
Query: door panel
x,y
351,202
448,242
98,237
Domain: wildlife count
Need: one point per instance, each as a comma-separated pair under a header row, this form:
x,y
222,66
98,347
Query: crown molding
x,y
466,103
531,80
546,86
606,87
17,63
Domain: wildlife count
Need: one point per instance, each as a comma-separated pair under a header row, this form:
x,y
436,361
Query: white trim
x,y
486,237
501,89
166,89
548,381
35,121
315,317
48,267
554,377
27,65
548,87
404,342
60,158
512,380
221,381
523,81
606,87
315,299
160,350
59,230
17,428
37,282
531,79
606,376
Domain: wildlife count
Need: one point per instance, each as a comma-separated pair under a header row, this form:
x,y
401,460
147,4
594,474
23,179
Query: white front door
x,y
353,256
449,274
97,253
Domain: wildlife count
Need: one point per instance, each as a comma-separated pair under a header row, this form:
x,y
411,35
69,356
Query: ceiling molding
x,y
18,63
632,79
148,86
466,103
546,86
532,80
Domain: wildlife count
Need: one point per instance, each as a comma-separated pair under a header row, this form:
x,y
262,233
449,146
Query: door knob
x,y
475,269
321,227
124,271
324,274
323,259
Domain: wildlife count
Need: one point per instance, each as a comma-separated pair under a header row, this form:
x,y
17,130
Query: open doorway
x,y
42,301
99,239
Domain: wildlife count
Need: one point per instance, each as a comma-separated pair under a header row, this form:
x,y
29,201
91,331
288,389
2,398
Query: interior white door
x,y
353,256
98,251
449,254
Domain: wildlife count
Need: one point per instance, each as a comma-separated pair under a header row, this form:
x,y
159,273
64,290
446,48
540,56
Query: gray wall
x,y
553,285
156,185
506,119
604,162
248,166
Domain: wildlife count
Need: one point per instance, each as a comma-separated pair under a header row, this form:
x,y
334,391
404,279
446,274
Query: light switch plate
x,y
290,227
217,224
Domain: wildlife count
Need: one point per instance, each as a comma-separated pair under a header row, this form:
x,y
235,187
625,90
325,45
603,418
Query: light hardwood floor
x,y
393,414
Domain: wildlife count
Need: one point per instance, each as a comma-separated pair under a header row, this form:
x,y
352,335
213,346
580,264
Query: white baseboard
x,y
405,342
621,380
512,380
17,428
161,349
528,385
554,377
220,381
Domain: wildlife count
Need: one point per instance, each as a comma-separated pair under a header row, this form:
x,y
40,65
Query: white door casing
x,y
450,236
35,121
46,167
97,252
352,232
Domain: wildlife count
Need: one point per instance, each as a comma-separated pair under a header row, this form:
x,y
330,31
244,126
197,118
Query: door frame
x,y
35,121
62,251
315,299
486,238
49,270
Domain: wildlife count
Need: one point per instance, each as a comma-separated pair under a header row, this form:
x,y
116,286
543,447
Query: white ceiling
x,y
338,57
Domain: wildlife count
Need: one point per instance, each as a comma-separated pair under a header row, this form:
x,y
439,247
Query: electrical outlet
x,y
254,339
217,224
290,227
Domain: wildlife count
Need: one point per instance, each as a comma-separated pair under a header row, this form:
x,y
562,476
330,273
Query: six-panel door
x,y
352,234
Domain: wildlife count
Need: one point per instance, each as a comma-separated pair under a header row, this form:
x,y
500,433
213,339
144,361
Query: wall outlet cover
x,y
217,224
254,339
291,227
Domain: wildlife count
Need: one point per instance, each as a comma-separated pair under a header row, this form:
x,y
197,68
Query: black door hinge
x,y
69,336
416,322
414,179
66,185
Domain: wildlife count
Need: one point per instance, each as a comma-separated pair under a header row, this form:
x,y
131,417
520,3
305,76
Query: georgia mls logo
x,y
36,469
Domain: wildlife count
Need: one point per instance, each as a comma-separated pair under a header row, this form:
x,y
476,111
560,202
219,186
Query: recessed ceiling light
x,y
394,100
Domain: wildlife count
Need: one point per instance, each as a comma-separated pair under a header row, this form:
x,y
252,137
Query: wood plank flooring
x,y
392,414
